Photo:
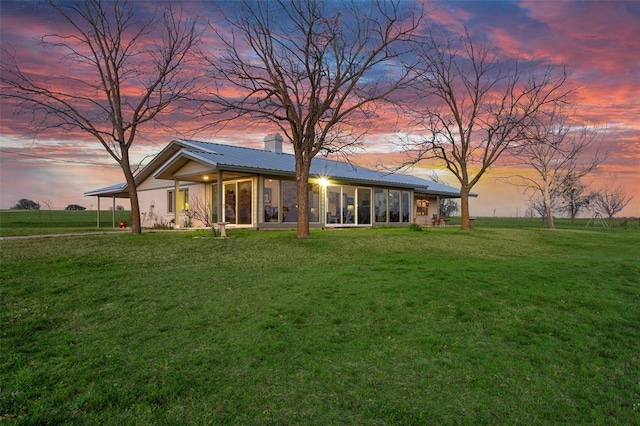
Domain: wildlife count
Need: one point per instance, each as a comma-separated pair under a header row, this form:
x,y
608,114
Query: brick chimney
x,y
273,143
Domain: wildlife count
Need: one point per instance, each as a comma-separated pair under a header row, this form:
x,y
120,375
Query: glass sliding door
x,y
289,201
394,206
364,206
405,206
238,203
348,205
314,202
380,200
244,203
334,207
271,200
230,203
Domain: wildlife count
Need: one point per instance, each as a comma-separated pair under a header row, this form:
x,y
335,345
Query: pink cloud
x,y
598,41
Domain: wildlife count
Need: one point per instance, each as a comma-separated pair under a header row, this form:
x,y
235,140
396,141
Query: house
x,y
256,188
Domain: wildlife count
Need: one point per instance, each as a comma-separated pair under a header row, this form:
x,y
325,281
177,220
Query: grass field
x,y
43,222
367,327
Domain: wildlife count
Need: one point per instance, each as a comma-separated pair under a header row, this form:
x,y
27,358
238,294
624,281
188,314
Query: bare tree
x,y
575,197
49,204
118,72
536,205
560,156
473,107
314,69
202,211
610,200
448,206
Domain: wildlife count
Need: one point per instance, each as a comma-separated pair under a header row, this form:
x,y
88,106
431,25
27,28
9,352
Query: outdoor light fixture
x,y
206,178
323,181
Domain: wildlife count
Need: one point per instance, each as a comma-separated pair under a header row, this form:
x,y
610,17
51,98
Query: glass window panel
x,y
214,203
405,206
230,203
244,203
380,200
185,199
422,207
333,204
271,200
394,206
171,202
364,206
314,202
348,205
289,201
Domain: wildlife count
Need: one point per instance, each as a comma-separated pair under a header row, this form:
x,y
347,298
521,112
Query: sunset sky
x,y
598,42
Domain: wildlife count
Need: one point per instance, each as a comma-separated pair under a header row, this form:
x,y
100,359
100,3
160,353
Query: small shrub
x,y
414,227
160,223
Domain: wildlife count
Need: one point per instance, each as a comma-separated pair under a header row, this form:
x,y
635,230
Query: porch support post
x,y
113,211
219,195
177,203
98,213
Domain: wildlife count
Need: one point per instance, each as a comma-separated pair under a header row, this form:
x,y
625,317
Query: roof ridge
x,y
233,146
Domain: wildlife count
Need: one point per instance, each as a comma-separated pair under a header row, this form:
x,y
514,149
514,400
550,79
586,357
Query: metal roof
x,y
116,189
252,160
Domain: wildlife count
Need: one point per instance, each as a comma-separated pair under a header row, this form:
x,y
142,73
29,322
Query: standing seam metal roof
x,y
253,159
257,159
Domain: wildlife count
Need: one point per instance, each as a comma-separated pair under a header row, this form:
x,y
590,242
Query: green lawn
x,y
43,222
366,327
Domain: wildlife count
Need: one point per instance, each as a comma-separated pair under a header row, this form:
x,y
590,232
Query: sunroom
x,y
254,188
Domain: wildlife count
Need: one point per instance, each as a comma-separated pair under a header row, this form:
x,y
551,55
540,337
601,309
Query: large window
x,y
380,200
171,200
422,207
238,202
348,205
230,203
364,206
405,206
280,201
289,201
271,200
244,203
314,202
392,205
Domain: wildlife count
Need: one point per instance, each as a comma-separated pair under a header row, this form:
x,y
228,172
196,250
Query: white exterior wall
x,y
153,205
153,198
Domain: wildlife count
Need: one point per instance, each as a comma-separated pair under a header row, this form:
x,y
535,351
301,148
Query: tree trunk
x,y
136,227
464,208
548,210
302,185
